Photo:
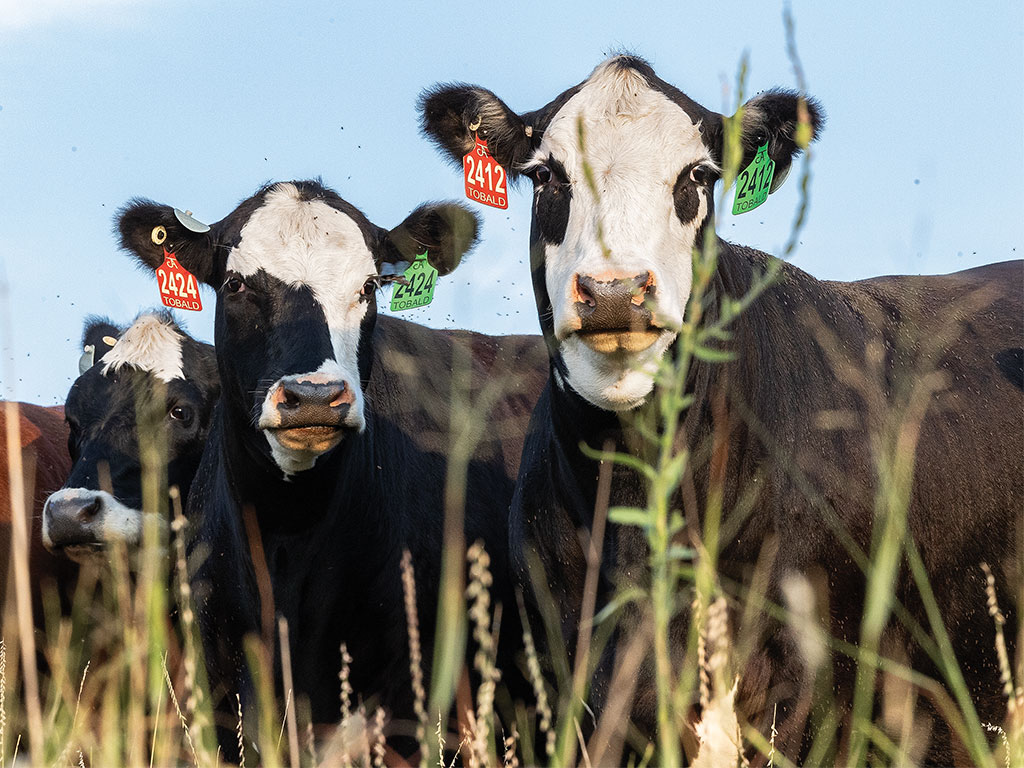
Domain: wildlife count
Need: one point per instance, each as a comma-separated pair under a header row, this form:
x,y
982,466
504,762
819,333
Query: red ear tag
x,y
178,286
485,178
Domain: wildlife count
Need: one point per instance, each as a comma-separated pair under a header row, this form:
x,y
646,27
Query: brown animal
x,y
45,465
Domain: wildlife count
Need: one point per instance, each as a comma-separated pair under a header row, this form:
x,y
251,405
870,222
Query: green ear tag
x,y
754,181
421,278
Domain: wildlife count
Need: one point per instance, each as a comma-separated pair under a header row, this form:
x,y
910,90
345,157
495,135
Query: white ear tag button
x,y
188,222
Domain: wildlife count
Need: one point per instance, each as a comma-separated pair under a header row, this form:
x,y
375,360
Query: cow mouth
x,y
80,552
620,340
316,438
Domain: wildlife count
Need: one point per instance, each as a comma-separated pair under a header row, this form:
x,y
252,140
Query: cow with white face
x,y
329,447
612,270
623,168
150,376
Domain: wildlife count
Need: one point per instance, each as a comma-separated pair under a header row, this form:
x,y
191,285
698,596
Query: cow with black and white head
x,y
611,257
150,378
330,445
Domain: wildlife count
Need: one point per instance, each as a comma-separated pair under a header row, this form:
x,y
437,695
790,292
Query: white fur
x,y
113,521
637,141
309,243
150,344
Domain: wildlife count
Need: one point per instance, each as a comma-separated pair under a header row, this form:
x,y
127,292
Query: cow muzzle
x,y
612,312
79,522
309,412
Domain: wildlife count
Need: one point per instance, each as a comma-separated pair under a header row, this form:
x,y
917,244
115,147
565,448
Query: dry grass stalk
x,y
537,681
22,587
509,758
286,674
346,686
193,692
718,730
419,702
241,740
379,746
774,734
3,701
478,593
1005,673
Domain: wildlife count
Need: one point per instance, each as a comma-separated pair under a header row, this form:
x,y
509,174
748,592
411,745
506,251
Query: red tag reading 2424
x,y
178,287
485,178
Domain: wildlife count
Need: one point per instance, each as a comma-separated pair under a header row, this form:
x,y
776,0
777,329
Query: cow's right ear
x,y
98,337
148,229
452,116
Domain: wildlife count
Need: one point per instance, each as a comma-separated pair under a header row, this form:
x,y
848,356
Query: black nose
x,y
615,304
72,518
304,403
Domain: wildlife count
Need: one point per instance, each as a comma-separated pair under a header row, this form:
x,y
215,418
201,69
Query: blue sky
x,y
197,104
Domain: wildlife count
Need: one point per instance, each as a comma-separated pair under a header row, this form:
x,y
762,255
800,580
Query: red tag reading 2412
x,y
485,178
178,287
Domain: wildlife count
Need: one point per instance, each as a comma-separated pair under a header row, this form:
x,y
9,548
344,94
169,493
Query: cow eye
x,y
701,174
181,413
542,174
369,288
234,284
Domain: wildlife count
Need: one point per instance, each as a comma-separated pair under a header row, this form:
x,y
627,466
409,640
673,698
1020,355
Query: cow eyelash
x,y
375,283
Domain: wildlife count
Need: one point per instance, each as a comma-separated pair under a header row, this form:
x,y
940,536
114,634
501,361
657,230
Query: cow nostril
x,y
290,399
89,511
338,396
584,292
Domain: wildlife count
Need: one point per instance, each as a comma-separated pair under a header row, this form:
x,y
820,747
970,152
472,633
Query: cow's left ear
x,y
787,121
446,231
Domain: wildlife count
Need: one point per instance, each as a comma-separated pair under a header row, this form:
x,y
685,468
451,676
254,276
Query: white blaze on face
x,y
636,141
151,345
309,243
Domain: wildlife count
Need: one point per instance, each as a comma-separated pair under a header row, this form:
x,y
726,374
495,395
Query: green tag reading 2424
x,y
419,288
754,181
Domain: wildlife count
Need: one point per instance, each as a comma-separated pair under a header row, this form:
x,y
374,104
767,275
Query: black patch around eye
x,y
551,207
686,197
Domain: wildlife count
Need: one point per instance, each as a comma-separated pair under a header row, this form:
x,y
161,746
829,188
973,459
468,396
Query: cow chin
x,y
297,449
619,380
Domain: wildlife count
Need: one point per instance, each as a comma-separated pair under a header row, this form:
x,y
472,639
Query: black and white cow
x,y
151,375
329,447
612,277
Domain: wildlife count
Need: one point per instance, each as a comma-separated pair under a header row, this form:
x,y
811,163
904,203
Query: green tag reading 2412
x,y
419,290
754,181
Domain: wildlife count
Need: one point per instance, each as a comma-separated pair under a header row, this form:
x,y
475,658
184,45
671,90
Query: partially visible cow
x,y
623,167
45,464
330,447
151,374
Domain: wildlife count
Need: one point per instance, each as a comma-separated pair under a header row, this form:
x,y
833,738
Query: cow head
x,y
151,376
296,270
623,166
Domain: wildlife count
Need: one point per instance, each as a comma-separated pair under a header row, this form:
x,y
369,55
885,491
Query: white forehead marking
x,y
310,243
633,133
150,344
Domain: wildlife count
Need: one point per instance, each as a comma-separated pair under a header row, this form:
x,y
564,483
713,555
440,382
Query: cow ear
x,y
446,231
147,230
453,115
98,338
787,121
